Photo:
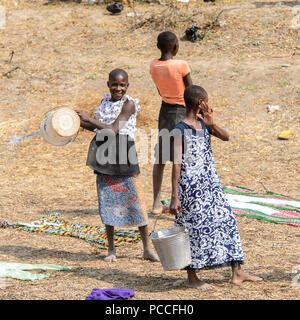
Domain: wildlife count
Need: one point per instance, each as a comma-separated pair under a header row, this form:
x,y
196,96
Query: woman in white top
x,y
120,195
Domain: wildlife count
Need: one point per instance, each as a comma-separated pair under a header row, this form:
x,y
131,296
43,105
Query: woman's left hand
x,y
175,206
207,114
83,116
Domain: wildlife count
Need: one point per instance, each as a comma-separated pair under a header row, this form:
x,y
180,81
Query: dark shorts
x,y
169,116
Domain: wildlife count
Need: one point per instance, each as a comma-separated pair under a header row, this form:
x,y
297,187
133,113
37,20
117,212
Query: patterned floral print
x,y
108,112
214,236
121,201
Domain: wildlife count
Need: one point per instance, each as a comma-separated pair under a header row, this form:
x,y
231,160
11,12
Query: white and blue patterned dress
x,y
214,236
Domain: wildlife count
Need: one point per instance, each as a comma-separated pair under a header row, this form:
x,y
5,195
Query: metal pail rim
x,y
167,233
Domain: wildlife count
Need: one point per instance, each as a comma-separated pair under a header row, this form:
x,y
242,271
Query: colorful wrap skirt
x,y
121,201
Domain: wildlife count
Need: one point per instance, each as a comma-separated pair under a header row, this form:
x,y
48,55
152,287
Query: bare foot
x,y
111,256
194,282
198,284
150,255
240,276
157,210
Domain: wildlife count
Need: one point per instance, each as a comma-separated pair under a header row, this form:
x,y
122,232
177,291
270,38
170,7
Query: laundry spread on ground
x,y
95,235
20,270
267,206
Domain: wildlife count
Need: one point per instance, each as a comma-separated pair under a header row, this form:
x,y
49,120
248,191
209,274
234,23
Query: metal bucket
x,y
173,247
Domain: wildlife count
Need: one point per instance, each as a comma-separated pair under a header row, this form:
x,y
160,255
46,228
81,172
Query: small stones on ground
x,y
257,43
284,135
273,108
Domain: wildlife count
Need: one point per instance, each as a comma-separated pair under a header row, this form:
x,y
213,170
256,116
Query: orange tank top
x,y
168,78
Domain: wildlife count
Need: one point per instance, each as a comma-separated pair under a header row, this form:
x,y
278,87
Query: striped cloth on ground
x,y
267,206
95,235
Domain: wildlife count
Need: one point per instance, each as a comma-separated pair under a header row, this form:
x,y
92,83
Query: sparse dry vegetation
x,y
62,53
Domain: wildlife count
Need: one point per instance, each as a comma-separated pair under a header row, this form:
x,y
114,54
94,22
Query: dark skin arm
x,y
175,206
187,80
86,125
90,123
206,115
219,133
158,91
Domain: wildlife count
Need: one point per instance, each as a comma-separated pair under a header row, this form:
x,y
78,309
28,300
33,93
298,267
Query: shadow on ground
x,y
26,253
261,4
71,212
125,279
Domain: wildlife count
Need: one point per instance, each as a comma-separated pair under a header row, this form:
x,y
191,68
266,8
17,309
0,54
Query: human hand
x,y
83,116
206,114
175,206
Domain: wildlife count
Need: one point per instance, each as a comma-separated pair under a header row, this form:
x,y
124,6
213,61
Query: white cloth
x,y
108,111
245,202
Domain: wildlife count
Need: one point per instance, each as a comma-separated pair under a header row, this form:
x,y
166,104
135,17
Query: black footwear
x,y
114,8
193,35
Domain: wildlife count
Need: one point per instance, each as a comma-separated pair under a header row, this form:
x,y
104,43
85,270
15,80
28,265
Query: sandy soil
x,y
64,52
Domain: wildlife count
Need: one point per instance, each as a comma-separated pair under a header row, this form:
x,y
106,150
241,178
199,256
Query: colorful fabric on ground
x,y
121,202
95,235
267,206
18,270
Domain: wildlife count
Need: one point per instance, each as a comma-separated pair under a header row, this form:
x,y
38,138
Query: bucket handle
x,y
154,226
153,230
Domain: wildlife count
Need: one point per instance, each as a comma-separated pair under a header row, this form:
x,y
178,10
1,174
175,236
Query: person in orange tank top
x,y
171,77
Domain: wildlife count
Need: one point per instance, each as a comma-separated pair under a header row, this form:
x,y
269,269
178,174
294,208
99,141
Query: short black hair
x,y
166,40
116,72
192,95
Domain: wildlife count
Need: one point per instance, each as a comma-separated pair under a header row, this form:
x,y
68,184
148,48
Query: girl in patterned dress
x,y
198,199
112,156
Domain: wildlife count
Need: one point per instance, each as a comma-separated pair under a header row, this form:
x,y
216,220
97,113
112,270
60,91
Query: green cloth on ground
x,y
17,270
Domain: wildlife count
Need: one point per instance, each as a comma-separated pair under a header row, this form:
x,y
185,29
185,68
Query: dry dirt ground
x,y
64,52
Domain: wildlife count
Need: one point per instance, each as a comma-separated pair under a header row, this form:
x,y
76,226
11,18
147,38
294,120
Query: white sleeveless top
x,y
108,112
